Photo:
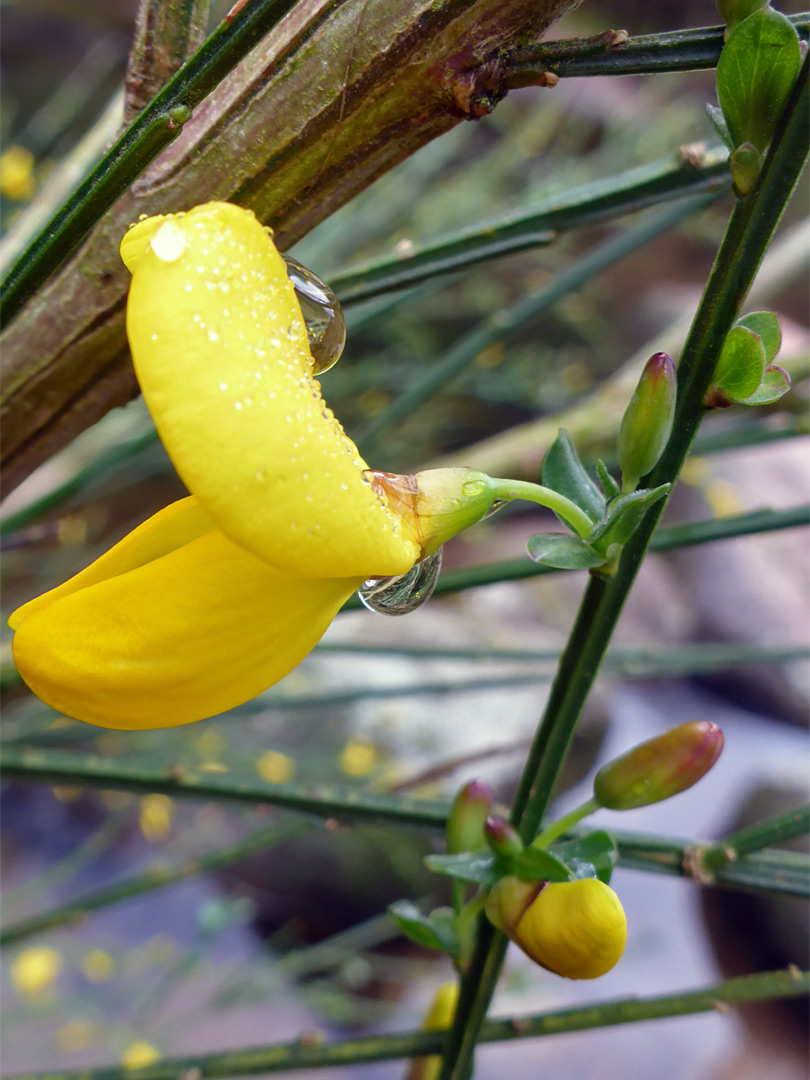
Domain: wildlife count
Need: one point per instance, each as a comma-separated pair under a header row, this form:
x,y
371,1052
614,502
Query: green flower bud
x,y
435,505
744,164
576,928
502,837
734,11
465,823
647,421
659,768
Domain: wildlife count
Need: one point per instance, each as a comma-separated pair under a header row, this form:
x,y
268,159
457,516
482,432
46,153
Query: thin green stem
x,y
314,1053
153,129
156,877
563,824
543,496
749,231
533,226
502,325
677,50
773,830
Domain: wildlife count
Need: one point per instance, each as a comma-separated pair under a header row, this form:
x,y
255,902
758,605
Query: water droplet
x,y
496,506
169,242
326,329
404,593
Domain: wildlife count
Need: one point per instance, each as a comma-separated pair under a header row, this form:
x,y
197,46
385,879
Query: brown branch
x,y
294,134
165,37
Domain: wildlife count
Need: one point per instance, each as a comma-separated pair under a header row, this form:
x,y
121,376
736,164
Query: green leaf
x,y
741,365
766,326
478,867
755,75
624,514
610,487
536,864
434,931
562,552
596,849
775,384
563,472
719,124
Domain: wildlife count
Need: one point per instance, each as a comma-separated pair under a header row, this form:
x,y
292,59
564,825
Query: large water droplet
x,y
169,242
326,329
407,592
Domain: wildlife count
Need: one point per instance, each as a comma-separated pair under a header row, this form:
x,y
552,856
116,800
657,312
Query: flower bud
x,y
659,768
744,164
465,823
576,928
647,421
502,837
734,11
436,504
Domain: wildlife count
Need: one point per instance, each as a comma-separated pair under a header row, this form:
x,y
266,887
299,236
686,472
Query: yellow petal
x,y
222,356
186,636
170,528
574,928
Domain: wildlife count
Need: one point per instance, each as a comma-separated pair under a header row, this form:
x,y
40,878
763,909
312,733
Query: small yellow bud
x,y
576,929
139,1054
33,970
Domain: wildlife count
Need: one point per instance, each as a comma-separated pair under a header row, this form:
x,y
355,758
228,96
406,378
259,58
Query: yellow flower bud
x,y
576,929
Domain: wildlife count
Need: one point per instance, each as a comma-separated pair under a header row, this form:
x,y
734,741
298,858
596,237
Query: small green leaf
x,y
755,75
775,384
562,552
434,931
597,850
719,124
609,485
624,514
741,365
470,866
766,326
535,864
563,472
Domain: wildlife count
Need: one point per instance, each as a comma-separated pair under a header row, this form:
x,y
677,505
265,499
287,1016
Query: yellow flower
x,y
33,970
218,596
139,1054
17,173
275,768
155,816
574,928
358,757
97,965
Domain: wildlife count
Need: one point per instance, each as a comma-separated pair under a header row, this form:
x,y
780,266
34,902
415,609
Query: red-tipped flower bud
x,y
465,824
574,928
659,768
502,837
647,421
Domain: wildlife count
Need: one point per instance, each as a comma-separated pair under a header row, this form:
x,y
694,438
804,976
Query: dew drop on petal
x,y
169,242
404,593
326,329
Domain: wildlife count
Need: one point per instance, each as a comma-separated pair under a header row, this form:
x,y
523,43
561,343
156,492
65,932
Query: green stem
x,y
314,1053
153,129
560,827
749,231
677,50
774,830
536,493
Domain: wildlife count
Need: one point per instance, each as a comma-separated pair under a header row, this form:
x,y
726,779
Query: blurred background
x,y
295,938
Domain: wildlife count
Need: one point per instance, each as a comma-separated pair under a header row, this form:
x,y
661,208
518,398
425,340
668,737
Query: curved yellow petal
x,y
185,636
574,928
222,356
166,530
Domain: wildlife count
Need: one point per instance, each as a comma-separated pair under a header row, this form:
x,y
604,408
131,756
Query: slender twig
x,y
535,225
754,837
312,1052
610,53
503,325
155,877
152,129
750,228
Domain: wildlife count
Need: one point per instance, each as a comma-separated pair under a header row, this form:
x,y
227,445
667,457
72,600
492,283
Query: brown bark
x,y
332,99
